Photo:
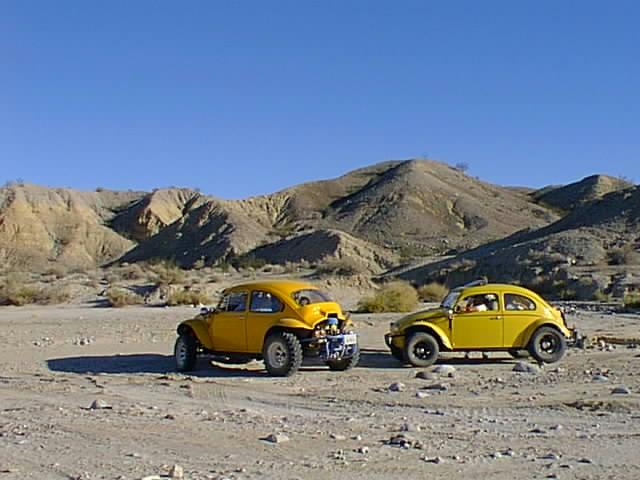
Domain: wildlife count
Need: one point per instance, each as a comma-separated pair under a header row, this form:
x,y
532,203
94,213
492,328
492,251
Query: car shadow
x,y
151,363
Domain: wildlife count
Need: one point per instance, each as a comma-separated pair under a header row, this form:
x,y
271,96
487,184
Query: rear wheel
x,y
185,352
344,363
421,349
547,345
282,354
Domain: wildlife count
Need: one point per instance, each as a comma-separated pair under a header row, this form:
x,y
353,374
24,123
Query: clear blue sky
x,y
247,97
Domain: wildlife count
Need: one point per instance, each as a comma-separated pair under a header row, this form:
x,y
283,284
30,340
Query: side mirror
x,y
450,314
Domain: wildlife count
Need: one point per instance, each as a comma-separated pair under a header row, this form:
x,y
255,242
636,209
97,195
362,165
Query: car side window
x,y
233,302
514,302
265,302
478,303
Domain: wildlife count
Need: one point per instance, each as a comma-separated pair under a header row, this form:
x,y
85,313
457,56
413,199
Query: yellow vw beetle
x,y
482,316
278,321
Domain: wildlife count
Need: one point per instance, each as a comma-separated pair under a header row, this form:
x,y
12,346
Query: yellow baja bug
x,y
481,316
279,322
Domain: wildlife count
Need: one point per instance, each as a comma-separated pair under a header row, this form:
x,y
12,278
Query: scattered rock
x,y
585,460
447,370
600,378
440,387
276,438
526,367
550,456
176,472
436,460
425,375
410,427
338,437
422,394
621,390
363,450
100,404
396,387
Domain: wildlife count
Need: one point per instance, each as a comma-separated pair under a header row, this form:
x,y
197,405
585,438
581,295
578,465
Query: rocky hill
x,y
372,217
575,253
580,193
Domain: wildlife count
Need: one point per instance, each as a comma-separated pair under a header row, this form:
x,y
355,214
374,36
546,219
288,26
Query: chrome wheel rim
x,y
549,344
422,351
278,355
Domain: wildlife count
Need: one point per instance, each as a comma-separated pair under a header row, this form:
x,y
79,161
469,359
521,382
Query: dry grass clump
x,y
632,300
432,292
121,297
19,294
625,255
392,297
168,273
188,297
343,267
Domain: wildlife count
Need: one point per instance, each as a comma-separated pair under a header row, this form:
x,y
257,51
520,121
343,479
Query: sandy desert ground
x,y
478,418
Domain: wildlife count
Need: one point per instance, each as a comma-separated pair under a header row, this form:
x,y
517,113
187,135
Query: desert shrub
x,y
408,252
168,273
245,262
625,255
342,267
632,300
132,272
55,271
121,297
54,295
18,294
188,297
601,296
392,297
432,292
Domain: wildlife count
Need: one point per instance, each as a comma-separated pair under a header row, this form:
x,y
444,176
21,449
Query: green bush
x,y
121,297
392,297
342,267
188,297
433,292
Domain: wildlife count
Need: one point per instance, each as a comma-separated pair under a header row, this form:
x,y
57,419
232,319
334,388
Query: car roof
x,y
283,286
498,287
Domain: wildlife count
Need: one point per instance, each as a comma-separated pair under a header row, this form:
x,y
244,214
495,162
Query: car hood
x,y
313,313
430,315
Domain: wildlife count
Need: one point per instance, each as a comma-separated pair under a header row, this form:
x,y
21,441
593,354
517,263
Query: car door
x,y
520,312
229,325
478,329
265,309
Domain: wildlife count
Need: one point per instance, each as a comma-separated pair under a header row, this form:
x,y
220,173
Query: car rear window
x,y
309,296
516,302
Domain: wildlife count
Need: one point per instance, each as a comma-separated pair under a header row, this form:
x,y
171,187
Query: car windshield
x,y
451,299
308,296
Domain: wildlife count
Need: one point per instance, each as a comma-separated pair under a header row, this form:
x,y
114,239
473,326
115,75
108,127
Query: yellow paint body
x,y
245,331
499,329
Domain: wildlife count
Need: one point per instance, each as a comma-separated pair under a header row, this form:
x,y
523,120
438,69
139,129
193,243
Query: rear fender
x,y
524,338
200,329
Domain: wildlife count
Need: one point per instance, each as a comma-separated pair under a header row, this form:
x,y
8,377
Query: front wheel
x,y
547,345
421,350
185,351
282,354
344,363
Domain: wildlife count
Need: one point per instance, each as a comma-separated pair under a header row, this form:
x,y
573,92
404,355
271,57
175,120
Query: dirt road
x,y
478,418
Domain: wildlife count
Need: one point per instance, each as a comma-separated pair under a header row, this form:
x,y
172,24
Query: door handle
x,y
499,317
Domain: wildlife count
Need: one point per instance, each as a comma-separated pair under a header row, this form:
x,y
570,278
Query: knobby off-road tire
x,y
518,354
547,345
282,354
344,363
421,349
185,352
